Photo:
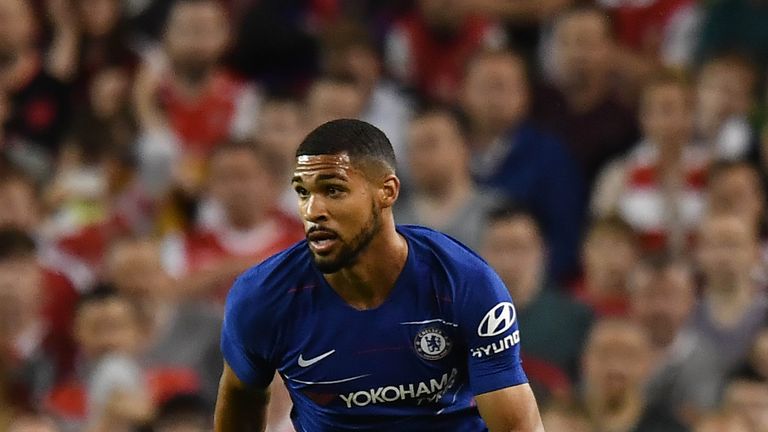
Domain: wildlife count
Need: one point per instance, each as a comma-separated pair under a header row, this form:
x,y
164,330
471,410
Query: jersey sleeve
x,y
488,321
247,339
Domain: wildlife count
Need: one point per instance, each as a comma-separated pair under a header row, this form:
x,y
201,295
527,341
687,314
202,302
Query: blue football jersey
x,y
446,332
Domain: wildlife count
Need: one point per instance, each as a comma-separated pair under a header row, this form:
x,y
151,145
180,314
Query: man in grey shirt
x,y
442,194
182,341
685,375
733,309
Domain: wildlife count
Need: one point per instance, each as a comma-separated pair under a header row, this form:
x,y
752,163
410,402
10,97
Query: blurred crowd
x,y
608,158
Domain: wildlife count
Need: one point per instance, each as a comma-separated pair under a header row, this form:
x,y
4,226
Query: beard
x,y
350,251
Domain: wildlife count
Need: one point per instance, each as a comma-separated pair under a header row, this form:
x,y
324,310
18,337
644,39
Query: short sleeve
x,y
488,321
246,338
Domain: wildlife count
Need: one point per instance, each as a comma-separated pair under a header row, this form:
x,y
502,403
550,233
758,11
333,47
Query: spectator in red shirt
x,y
240,223
659,187
35,352
427,49
187,102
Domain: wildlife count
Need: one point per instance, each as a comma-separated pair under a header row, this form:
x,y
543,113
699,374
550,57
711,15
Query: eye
x,y
334,191
301,192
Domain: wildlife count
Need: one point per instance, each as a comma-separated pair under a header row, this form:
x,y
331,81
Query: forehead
x,y
324,167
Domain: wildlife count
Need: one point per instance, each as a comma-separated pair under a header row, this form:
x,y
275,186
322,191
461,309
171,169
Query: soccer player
x,y
372,326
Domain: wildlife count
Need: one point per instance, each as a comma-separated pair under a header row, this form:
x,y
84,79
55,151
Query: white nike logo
x,y
306,363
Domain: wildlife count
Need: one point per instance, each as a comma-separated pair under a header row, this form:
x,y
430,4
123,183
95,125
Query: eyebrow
x,y
320,177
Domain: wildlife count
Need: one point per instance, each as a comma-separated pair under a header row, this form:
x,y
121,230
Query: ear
x,y
389,190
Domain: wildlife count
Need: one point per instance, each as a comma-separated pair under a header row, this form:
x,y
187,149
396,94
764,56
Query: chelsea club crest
x,y
432,343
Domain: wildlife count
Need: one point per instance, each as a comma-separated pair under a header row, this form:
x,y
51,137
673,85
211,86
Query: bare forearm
x,y
240,410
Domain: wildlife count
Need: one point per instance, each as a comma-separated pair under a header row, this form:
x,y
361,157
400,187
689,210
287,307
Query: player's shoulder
x,y
267,286
449,254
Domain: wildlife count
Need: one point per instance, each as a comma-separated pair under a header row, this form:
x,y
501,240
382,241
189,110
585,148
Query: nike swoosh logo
x,y
306,363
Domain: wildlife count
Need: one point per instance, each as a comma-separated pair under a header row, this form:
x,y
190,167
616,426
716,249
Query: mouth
x,y
321,241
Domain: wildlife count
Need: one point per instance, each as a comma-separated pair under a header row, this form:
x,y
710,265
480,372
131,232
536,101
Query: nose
x,y
314,209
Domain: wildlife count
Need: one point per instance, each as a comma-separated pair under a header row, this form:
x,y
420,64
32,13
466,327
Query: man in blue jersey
x,y
372,326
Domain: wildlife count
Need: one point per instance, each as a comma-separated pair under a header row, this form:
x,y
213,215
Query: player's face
x,y
338,207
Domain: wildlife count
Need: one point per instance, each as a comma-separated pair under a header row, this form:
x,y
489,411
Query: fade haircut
x,y
363,142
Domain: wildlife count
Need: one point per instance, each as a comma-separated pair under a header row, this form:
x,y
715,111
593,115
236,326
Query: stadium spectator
x,y
38,101
89,38
609,253
686,378
725,98
280,128
348,50
181,336
522,162
331,98
554,326
186,102
581,101
108,330
427,49
443,195
736,188
748,397
659,187
616,367
733,307
35,342
241,226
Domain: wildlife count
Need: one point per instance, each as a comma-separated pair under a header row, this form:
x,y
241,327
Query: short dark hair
x,y
510,210
360,140
16,243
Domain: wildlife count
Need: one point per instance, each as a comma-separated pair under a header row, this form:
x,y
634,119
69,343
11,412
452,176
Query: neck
x,y
368,282
619,415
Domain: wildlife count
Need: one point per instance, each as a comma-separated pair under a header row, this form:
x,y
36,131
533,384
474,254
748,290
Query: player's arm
x,y
511,409
488,319
239,407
